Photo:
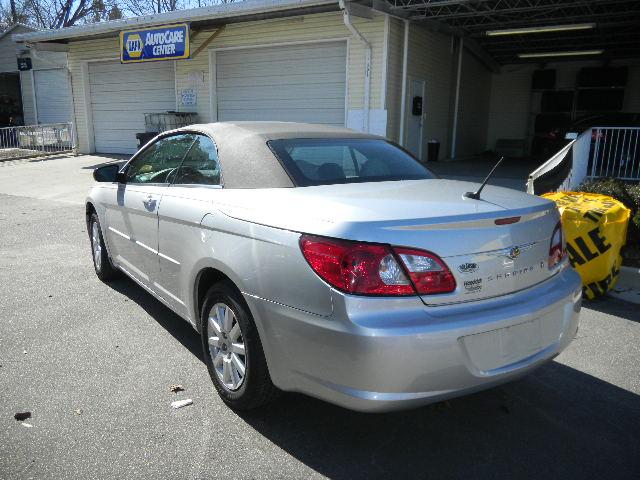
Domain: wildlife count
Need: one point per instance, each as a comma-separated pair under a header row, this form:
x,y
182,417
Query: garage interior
x,y
546,64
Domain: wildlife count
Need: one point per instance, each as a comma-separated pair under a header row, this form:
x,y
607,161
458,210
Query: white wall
x,y
429,58
433,58
509,104
473,110
28,104
8,59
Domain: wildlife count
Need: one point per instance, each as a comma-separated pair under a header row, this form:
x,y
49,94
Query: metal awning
x,y
211,16
612,26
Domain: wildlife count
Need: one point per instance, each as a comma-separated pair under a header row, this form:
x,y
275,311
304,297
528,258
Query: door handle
x,y
149,203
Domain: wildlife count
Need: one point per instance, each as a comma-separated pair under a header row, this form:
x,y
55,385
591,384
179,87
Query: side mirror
x,y
106,173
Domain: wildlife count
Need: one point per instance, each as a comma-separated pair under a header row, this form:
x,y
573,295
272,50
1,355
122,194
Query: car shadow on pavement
x,y
555,423
615,307
172,323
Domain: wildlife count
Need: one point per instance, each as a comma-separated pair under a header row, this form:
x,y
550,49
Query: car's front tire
x,y
233,351
101,261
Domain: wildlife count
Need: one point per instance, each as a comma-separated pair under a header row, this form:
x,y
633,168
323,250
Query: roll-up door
x,y
295,83
53,95
121,95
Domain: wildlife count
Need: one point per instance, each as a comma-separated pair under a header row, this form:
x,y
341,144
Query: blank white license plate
x,y
505,346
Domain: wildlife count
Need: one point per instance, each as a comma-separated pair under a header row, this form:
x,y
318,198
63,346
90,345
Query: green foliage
x,y
634,193
628,194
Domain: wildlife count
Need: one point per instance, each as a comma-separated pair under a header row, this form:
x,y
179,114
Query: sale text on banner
x,y
596,229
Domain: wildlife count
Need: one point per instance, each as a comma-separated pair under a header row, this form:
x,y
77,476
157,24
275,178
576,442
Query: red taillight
x,y
556,248
428,272
355,267
372,269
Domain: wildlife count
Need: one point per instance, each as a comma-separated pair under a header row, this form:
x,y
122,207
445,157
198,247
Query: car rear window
x,y
325,161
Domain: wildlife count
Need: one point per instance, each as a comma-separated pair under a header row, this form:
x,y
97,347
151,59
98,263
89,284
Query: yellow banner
x,y
596,228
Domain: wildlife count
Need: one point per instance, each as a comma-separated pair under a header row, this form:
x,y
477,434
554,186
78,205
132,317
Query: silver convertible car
x,y
320,260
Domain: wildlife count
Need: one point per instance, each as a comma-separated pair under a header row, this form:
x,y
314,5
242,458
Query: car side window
x,y
159,160
200,166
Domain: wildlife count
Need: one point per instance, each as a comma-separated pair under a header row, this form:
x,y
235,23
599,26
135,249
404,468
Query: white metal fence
x,y
615,152
36,140
597,152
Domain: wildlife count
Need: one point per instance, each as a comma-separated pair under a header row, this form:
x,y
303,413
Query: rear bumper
x,y
380,354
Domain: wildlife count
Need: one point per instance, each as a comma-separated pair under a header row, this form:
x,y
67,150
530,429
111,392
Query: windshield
x,y
325,161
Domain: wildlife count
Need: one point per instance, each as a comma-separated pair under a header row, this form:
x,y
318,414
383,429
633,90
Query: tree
x,y
66,13
14,12
10,15
47,14
147,7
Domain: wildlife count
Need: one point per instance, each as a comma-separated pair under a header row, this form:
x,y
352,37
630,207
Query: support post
x,y
403,99
454,134
367,64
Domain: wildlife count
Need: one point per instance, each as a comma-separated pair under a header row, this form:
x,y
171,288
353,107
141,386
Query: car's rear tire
x,y
233,350
101,261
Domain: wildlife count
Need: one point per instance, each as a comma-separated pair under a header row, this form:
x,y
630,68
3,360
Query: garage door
x,y
299,83
53,95
121,95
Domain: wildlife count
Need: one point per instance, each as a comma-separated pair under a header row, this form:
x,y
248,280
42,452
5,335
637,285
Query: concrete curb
x,y
628,286
629,277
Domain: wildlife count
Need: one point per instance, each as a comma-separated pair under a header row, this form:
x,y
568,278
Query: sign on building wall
x,y
24,64
170,42
189,97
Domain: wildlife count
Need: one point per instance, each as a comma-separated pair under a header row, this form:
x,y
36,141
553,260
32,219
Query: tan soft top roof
x,y
245,158
279,130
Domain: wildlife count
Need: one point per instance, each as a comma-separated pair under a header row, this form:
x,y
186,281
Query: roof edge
x,y
16,25
220,11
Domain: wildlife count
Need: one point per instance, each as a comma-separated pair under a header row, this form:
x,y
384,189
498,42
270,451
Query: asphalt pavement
x,y
93,363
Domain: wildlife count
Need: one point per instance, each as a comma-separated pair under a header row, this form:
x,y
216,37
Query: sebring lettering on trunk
x,y
475,285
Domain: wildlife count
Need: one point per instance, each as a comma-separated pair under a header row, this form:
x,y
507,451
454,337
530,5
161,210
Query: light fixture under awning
x,y
541,29
576,53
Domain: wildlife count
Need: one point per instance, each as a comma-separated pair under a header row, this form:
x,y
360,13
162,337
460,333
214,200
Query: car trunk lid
x,y
498,258
493,246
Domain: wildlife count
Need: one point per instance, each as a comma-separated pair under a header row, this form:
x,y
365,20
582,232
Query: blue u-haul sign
x,y
169,42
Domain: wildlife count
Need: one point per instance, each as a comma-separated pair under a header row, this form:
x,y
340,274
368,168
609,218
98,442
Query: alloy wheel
x,y
226,346
96,246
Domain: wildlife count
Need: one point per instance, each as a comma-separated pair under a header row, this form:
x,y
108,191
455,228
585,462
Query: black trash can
x,y
433,149
144,137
